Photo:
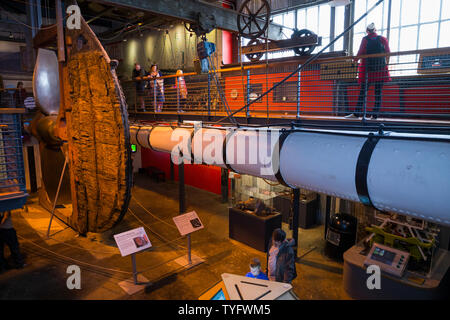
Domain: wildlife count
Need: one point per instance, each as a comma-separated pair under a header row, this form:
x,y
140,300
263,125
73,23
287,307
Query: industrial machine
x,y
253,21
390,260
82,127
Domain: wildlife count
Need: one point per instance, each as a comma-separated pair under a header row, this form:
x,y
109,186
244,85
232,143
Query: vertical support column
x,y
224,184
295,216
327,214
133,263
154,96
298,92
181,193
209,97
178,94
349,17
388,27
247,111
172,170
332,27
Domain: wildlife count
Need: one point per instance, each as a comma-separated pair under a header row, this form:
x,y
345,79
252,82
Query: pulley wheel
x,y
257,55
303,50
253,18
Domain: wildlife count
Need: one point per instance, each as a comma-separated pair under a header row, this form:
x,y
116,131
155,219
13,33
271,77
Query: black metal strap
x,y
284,134
224,150
362,167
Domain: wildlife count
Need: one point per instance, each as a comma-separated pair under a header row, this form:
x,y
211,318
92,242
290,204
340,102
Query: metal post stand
x,y
298,92
296,212
56,197
191,260
135,273
139,282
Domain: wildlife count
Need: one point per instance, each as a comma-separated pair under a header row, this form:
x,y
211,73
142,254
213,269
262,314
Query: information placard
x,y
188,223
132,241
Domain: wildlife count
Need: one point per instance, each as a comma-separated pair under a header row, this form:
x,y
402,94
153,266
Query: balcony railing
x,y
411,85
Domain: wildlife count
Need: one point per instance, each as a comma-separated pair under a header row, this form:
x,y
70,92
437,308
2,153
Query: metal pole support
x,y
189,249
209,97
133,263
56,198
298,92
248,94
295,216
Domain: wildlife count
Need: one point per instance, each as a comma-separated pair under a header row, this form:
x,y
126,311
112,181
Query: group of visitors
x,y
154,83
280,260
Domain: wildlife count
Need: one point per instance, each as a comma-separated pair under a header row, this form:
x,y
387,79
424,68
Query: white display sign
x,y
132,241
188,223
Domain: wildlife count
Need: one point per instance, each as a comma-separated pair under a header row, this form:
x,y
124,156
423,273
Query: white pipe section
x,y
143,136
323,163
207,146
408,176
260,156
411,178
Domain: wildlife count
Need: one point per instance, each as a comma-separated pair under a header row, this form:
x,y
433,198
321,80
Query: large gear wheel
x,y
253,18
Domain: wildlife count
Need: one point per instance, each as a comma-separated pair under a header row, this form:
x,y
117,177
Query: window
x,y
287,92
379,17
318,20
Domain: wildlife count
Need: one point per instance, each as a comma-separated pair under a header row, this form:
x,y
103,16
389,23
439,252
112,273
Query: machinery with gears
x,y
253,21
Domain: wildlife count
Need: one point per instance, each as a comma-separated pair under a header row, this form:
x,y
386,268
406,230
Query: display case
x,y
13,193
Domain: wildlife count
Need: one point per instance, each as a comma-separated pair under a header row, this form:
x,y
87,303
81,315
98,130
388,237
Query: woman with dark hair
x,y
20,94
157,87
281,258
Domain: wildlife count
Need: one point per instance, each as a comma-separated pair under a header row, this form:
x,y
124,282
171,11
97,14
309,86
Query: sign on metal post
x,y
186,224
130,243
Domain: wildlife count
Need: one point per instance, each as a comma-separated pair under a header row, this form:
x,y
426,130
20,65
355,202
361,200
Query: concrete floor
x,y
102,266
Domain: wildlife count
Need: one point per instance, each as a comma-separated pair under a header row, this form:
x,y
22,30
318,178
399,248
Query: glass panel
x,y
444,39
289,19
445,10
278,19
325,19
339,20
393,41
376,15
428,36
312,19
395,13
301,19
410,12
429,10
339,45
408,38
360,9
357,38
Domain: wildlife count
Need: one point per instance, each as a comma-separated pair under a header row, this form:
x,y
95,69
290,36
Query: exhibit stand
x,y
186,224
130,243
409,285
236,287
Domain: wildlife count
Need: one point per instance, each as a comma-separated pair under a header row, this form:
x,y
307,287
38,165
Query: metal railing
x,y
411,84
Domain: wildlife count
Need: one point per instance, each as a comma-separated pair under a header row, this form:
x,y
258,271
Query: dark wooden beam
x,y
45,37
187,10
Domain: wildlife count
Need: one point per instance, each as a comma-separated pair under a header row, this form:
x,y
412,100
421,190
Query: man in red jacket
x,y
373,70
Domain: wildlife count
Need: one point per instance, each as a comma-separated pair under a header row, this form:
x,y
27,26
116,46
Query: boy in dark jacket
x,y
281,258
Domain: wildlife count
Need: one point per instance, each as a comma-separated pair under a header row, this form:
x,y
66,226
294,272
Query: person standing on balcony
x,y
157,87
140,85
180,85
372,70
20,94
